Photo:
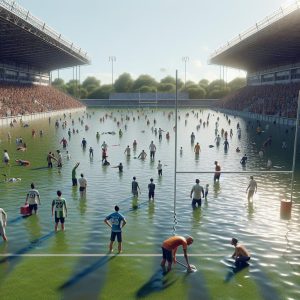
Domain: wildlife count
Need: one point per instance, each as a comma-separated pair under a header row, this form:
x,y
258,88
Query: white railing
x,y
278,14
25,15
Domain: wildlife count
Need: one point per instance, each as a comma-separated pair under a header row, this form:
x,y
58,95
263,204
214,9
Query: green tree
x,y
168,80
166,87
237,83
147,89
196,92
144,80
72,87
59,84
124,83
83,93
101,93
90,84
203,82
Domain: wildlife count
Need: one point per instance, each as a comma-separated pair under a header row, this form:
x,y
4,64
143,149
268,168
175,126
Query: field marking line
x,y
122,254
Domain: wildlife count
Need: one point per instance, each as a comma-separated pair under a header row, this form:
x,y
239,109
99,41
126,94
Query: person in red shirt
x,y
169,248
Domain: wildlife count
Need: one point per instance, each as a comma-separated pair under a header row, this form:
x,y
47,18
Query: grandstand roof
x,y
273,42
26,40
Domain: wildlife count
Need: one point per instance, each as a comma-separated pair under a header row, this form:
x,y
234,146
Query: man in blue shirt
x,y
116,222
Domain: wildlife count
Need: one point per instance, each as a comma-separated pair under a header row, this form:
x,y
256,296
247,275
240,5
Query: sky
x,y
151,37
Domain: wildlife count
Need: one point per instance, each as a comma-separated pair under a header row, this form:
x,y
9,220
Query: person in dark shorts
x,y
59,210
82,185
217,172
240,254
116,222
135,187
169,249
74,179
33,199
196,192
151,188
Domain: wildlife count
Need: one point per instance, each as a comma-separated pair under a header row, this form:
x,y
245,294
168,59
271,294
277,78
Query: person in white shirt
x,y
6,157
3,220
196,191
82,184
68,155
33,199
152,149
159,168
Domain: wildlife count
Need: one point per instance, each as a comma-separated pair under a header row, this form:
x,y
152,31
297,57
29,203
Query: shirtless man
x,y
252,188
197,149
142,155
240,254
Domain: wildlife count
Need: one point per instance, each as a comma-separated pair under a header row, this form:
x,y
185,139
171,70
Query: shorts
x,y
74,181
82,189
114,234
217,177
205,195
167,254
160,172
50,165
59,165
135,193
151,195
60,219
2,230
33,207
6,160
196,201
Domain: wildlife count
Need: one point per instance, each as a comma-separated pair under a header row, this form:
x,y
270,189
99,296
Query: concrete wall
x,y
5,121
158,103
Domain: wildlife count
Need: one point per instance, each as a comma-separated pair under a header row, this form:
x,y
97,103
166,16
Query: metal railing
x,y
25,15
278,14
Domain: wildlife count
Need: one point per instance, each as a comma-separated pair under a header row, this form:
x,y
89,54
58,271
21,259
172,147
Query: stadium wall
x,y
5,121
135,103
279,75
258,117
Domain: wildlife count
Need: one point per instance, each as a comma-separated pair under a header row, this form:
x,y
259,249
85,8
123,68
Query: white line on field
x,y
123,254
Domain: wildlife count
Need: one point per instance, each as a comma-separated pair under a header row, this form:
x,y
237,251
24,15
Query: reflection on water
x,y
226,212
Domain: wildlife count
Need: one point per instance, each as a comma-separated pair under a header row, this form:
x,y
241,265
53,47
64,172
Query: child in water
x,y
206,191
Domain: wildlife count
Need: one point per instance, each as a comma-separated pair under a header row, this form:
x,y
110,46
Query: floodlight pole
x,y
175,164
185,59
112,59
295,147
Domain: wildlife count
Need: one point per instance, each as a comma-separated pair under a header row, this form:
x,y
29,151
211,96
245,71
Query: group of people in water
x,y
116,221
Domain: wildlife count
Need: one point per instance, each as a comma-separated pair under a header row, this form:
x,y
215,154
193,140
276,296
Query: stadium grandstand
x,y
29,51
270,53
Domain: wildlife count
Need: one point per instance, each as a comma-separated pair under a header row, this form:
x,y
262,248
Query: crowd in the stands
x,y
280,100
27,99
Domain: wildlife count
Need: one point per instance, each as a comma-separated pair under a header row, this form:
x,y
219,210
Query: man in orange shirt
x,y
169,248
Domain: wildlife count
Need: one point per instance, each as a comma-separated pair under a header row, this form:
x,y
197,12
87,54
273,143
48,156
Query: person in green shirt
x,y
74,179
59,210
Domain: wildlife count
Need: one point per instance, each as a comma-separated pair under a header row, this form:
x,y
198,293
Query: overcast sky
x,y
151,37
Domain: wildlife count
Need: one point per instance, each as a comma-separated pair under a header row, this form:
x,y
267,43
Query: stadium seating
x,y
279,100
18,99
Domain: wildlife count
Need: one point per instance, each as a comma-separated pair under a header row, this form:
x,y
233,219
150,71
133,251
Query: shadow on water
x,y
235,269
33,244
17,219
197,286
86,284
159,281
39,168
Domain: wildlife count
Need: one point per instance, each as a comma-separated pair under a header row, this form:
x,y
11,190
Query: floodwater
x,y
272,239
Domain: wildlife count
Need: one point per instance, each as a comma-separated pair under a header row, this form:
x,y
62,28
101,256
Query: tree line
x,y
91,87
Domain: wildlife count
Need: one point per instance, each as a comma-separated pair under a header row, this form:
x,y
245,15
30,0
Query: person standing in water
x,y
135,187
116,222
252,188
